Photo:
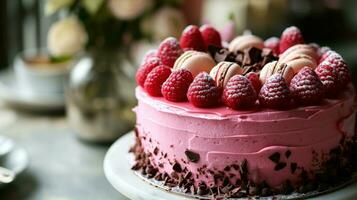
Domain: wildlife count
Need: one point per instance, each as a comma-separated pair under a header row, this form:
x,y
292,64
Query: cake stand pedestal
x,y
117,169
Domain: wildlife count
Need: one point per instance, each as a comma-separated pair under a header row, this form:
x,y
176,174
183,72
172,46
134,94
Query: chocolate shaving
x,y
227,168
252,55
275,157
177,167
287,153
136,166
235,166
174,175
202,189
280,166
151,171
219,54
266,192
238,57
293,167
287,188
268,56
187,175
335,170
252,59
156,151
192,156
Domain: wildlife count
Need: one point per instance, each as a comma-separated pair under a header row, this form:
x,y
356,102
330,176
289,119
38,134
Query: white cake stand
x,y
117,169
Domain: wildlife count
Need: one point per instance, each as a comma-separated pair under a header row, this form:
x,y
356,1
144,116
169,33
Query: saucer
x,y
15,95
16,160
117,168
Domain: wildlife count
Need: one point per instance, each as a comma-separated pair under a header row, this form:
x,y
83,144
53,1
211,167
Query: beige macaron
x,y
300,49
297,62
223,71
195,62
244,42
273,68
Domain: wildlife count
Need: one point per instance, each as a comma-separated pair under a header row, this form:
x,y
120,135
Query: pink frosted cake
x,y
248,118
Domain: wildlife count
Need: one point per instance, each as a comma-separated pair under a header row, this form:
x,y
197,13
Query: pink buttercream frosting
x,y
222,136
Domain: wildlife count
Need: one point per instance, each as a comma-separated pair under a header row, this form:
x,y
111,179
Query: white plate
x,y
117,169
16,160
13,94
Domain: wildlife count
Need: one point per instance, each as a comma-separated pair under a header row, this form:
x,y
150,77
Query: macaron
x,y
223,71
240,43
195,62
297,62
300,49
273,68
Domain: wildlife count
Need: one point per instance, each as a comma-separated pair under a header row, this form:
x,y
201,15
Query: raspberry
x,y
343,73
155,79
203,91
239,93
306,88
273,44
145,68
176,86
326,55
210,36
150,54
275,93
322,50
191,39
290,37
254,80
169,50
328,76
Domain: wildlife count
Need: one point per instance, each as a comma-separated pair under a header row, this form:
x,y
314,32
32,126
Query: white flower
x,y
166,22
66,37
128,9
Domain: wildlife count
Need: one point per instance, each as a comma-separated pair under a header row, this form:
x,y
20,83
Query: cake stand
x,y
117,169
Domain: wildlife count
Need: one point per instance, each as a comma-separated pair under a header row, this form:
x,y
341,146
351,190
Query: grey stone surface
x,y
61,166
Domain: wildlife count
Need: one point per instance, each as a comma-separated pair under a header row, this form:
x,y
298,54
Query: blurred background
x,y
24,23
67,75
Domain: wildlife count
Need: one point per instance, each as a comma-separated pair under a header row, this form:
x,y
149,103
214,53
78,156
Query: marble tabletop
x,y
61,166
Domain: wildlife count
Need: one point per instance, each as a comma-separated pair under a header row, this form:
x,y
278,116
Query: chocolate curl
x,y
252,59
268,56
252,55
217,53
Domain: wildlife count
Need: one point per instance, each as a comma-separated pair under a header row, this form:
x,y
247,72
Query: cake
x,y
246,118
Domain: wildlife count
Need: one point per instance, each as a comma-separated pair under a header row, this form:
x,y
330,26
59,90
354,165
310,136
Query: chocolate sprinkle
x,y
287,153
275,157
192,156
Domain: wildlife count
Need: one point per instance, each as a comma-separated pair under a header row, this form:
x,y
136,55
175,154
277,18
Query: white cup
x,y
36,74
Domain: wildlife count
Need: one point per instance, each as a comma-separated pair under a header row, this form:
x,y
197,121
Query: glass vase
x,y
100,97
